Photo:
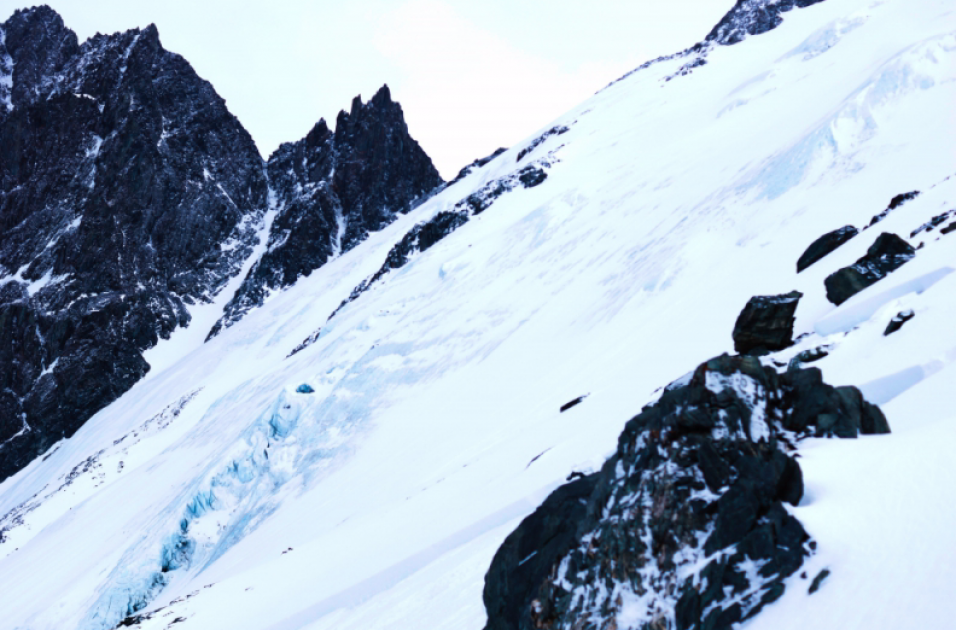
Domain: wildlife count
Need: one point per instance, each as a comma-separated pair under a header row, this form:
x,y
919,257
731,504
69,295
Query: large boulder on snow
x,y
766,323
825,245
684,527
884,256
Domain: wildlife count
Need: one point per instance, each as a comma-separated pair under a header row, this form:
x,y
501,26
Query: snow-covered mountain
x,y
520,378
132,203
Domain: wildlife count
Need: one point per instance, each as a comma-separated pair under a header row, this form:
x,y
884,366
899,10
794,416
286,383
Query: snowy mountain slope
x,y
433,427
131,201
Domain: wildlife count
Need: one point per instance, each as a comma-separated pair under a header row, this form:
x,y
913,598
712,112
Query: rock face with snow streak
x,y
332,189
684,527
122,175
129,192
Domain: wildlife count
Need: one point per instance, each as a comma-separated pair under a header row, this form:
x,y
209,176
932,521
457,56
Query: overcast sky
x,y
471,75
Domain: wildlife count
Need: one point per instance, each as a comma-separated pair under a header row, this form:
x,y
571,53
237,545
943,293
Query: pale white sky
x,y
471,76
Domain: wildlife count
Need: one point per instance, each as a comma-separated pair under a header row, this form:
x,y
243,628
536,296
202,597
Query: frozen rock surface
x,y
684,527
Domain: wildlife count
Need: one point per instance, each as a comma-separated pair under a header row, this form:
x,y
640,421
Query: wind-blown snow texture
x,y
433,427
130,198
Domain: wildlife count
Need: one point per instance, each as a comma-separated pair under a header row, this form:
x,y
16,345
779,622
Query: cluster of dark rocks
x,y
933,223
752,17
553,131
684,527
887,254
895,203
480,162
129,192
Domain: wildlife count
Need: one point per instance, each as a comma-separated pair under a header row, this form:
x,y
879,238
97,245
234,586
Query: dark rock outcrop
x,y
766,323
480,162
887,254
747,17
930,225
572,403
897,322
122,174
684,526
895,203
553,131
825,245
752,17
331,190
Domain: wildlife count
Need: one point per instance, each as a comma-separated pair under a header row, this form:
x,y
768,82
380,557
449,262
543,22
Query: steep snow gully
x,y
481,415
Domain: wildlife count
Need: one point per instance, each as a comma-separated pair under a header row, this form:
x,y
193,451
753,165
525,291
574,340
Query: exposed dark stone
x,y
553,131
752,17
949,228
895,203
766,323
573,403
122,174
817,581
304,388
530,551
886,255
825,245
747,17
468,170
810,356
897,322
932,223
531,176
703,470
331,191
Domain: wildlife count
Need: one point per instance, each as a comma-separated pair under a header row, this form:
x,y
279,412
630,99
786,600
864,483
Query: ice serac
x,y
127,193
332,190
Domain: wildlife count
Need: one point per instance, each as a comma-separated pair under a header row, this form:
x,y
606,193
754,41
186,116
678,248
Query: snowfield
x,y
366,481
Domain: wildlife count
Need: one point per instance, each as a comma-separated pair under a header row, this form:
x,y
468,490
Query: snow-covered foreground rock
x,y
367,480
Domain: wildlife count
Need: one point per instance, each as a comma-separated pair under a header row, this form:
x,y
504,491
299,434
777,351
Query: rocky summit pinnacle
x,y
332,190
129,192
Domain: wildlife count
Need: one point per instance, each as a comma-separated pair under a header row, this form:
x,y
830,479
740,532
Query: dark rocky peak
x,y
332,190
127,192
37,45
380,169
318,136
752,17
